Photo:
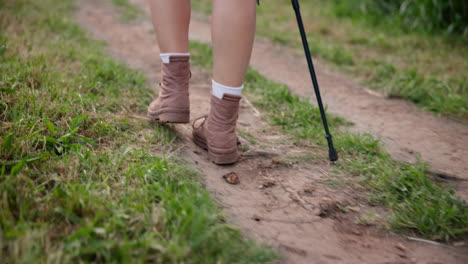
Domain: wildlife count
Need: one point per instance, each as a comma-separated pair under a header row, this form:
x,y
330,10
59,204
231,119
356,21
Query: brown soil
x,y
406,131
283,203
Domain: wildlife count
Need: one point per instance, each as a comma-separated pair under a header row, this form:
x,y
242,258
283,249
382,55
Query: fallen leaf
x,y
231,178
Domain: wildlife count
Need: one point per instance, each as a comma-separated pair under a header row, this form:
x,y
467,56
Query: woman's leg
x,y
232,33
233,30
171,19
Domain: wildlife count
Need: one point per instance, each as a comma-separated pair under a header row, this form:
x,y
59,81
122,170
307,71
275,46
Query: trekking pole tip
x,y
333,154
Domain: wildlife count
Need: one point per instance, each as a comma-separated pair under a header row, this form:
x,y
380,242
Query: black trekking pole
x,y
331,149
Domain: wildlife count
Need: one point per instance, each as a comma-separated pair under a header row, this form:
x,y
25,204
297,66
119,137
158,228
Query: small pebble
x,y
400,247
459,244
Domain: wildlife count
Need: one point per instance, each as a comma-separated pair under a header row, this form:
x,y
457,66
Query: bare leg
x,y
232,33
171,20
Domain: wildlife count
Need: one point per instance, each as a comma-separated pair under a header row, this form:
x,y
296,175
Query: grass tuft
x,y
128,11
428,16
80,181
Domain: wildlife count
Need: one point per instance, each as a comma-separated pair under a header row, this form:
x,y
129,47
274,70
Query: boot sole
x,y
176,118
218,159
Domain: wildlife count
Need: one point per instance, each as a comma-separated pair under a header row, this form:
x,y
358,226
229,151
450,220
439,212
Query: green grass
x,y
427,69
418,204
128,11
80,181
427,16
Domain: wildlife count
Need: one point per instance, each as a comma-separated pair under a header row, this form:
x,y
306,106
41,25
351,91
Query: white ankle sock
x,y
165,57
219,90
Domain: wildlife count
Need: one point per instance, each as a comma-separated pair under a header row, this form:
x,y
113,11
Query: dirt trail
x,y
298,214
406,130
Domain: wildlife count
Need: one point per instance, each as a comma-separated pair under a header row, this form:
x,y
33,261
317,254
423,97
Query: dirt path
x,y
406,130
298,214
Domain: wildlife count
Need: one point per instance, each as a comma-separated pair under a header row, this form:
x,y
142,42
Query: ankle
x,y
166,57
219,90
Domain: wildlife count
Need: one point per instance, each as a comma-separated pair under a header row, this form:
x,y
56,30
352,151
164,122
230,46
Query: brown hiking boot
x,y
172,104
217,132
